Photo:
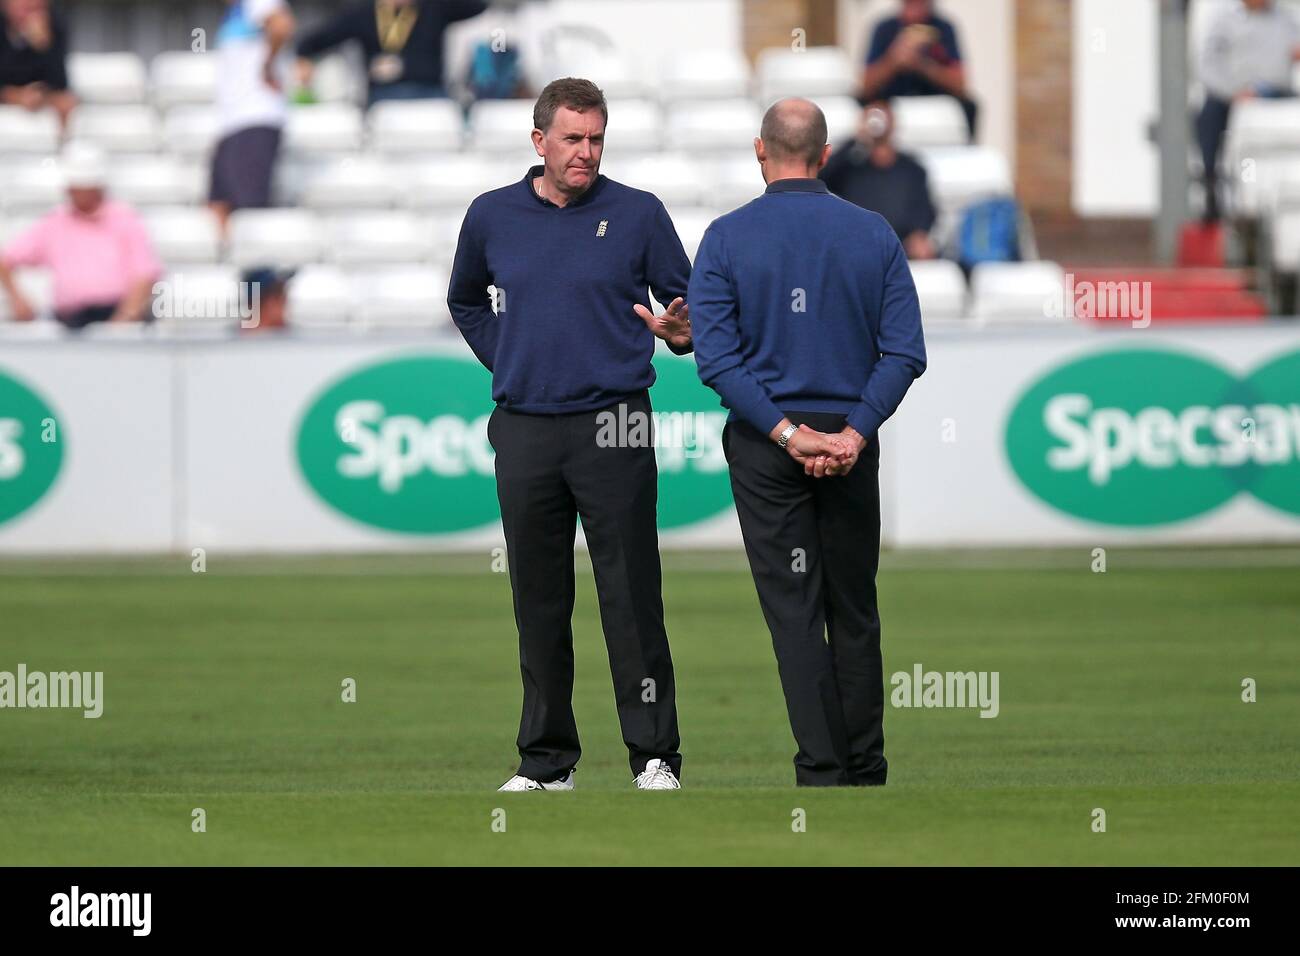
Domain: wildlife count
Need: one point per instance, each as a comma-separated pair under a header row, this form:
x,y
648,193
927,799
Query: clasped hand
x,y
825,455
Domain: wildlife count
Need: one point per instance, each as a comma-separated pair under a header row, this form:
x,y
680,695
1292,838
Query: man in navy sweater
x,y
571,256
806,320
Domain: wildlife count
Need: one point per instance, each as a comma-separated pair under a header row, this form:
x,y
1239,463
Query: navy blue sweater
x,y
567,339
801,301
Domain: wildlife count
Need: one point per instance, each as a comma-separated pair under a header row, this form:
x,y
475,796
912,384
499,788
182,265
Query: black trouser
x,y
1211,124
813,546
551,469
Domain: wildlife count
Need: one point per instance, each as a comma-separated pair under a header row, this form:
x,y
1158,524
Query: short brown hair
x,y
575,94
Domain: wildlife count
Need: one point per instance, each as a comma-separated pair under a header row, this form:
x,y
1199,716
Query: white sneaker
x,y
657,776
517,783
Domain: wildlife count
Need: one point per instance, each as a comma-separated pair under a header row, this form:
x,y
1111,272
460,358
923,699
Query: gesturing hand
x,y
674,326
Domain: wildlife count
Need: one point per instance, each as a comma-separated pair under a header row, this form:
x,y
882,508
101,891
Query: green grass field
x,y
222,691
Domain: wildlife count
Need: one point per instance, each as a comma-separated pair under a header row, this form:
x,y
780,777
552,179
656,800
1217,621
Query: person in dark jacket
x,y
869,172
33,54
402,41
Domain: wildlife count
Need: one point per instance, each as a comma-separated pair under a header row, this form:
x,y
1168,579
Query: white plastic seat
x,y
37,287
690,223
812,72
705,74
107,77
351,183
336,80
378,238
190,131
158,181
735,179
1018,291
179,77
960,175
32,187
319,296
416,126
453,181
22,131
1284,231
280,238
921,122
13,226
184,234
940,287
713,125
501,126
200,300
677,179
409,297
324,128
634,125
117,128
843,115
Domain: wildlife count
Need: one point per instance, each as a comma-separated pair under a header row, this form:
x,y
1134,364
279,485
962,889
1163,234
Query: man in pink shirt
x,y
103,262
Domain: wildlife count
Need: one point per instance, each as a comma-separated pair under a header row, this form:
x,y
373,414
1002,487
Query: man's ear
x,y
825,157
538,138
760,150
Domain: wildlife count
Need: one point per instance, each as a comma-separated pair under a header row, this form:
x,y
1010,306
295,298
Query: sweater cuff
x,y
863,420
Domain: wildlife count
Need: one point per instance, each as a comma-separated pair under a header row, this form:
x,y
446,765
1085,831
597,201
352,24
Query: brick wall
x,y
1043,94
766,23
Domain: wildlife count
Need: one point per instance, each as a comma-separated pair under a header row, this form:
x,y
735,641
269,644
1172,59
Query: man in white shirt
x,y
251,103
1249,51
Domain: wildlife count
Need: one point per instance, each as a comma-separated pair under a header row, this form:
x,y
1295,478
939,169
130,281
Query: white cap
x,y
84,166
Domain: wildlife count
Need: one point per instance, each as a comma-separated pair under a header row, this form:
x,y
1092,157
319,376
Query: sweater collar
x,y
796,186
535,171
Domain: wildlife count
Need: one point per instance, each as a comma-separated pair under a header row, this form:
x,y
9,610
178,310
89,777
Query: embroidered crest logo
x,y
600,230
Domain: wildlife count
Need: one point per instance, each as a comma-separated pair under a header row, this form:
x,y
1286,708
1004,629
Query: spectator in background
x,y
103,262
402,41
869,172
1248,52
251,104
33,51
916,54
272,297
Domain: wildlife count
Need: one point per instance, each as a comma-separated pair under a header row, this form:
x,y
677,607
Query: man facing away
x,y
571,255
807,325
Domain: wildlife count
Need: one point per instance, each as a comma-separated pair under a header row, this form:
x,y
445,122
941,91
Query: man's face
x,y
86,200
571,148
915,11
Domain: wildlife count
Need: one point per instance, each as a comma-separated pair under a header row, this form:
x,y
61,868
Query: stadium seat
x,y
22,131
41,330
324,128
706,74
678,179
190,131
376,238
635,126
117,128
158,181
1284,234
735,179
31,187
501,126
843,115
12,226
921,122
319,296
1262,142
416,126
713,125
107,77
200,300
941,288
337,80
179,77
812,72
37,287
281,238
960,175
690,223
184,234
407,297
453,181
360,182
1018,291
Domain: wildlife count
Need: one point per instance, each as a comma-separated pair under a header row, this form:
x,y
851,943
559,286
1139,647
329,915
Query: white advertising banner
x,y
1012,437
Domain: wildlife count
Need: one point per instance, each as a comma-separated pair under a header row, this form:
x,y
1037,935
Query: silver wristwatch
x,y
784,438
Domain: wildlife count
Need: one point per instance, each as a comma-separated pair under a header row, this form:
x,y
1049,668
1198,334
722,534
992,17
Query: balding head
x,y
794,131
